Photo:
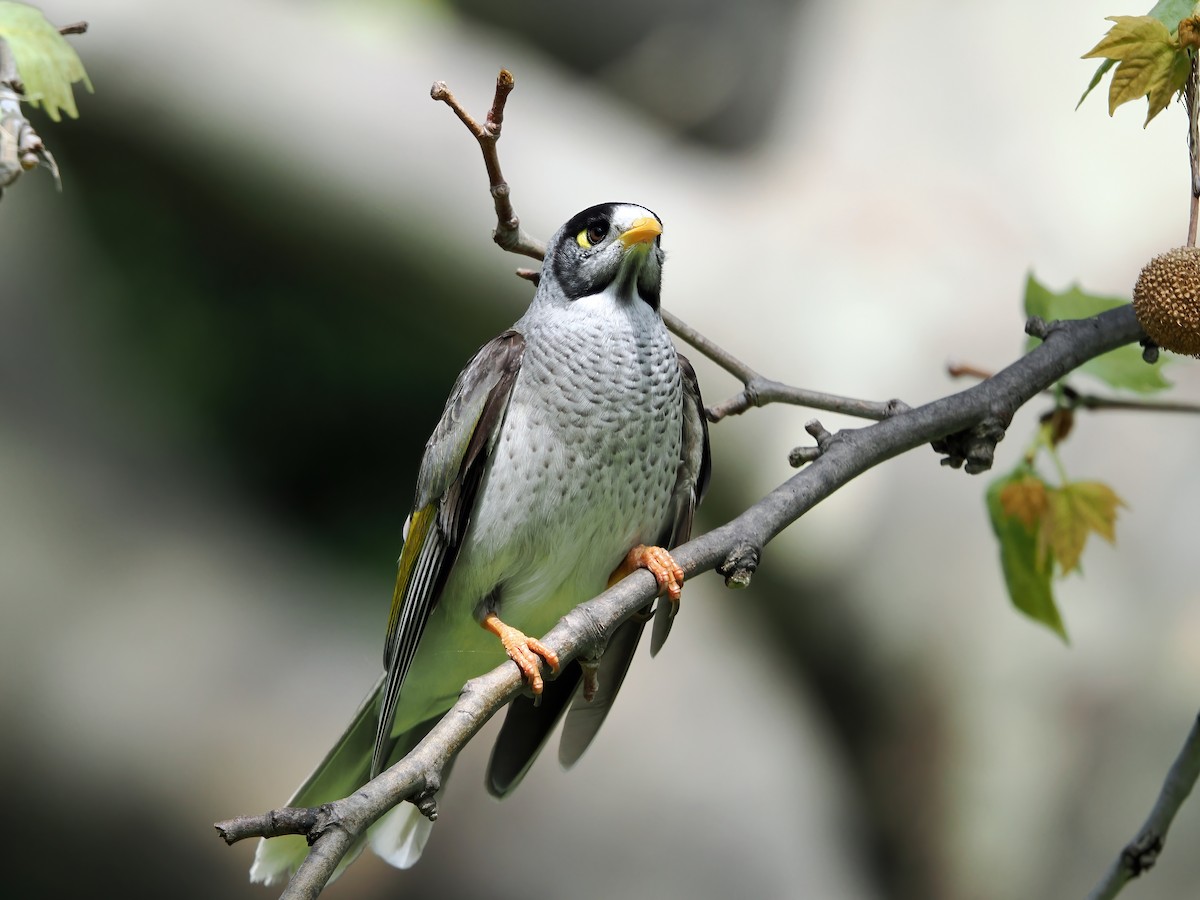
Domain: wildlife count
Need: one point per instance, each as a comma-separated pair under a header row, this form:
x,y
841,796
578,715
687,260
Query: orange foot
x,y
661,566
525,651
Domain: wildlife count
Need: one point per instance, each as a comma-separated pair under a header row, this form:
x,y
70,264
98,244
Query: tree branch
x,y
734,549
584,631
1140,854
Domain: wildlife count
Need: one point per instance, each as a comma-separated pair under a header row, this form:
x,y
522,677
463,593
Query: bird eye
x,y
595,232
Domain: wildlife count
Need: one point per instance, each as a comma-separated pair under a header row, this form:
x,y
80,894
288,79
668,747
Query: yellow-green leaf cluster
x,y
48,65
1151,62
1041,529
1073,512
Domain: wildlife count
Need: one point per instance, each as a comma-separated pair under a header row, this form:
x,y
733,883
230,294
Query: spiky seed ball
x,y
1166,300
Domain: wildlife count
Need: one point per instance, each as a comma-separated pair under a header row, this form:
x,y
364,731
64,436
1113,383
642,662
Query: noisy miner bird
x,y
572,450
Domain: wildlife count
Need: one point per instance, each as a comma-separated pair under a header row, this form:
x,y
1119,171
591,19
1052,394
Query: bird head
x,y
610,248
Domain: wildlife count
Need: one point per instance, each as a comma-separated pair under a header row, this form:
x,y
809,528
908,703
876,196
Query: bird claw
x,y
667,572
528,653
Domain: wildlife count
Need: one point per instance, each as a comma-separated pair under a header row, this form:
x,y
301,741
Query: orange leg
x,y
661,566
525,651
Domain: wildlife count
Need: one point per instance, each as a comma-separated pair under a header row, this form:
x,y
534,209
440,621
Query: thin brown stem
x,y
1092,402
1191,93
508,233
967,370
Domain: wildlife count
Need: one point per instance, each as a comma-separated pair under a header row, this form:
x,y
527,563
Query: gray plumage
x,y
565,442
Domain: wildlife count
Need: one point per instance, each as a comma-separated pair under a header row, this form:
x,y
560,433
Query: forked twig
x,y
508,233
757,390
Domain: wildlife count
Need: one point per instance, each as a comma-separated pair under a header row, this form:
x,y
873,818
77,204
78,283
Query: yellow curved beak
x,y
642,231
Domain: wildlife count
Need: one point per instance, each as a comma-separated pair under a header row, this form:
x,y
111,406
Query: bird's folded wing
x,y
451,470
691,483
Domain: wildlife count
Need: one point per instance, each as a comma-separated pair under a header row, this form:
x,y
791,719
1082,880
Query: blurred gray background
x,y
223,346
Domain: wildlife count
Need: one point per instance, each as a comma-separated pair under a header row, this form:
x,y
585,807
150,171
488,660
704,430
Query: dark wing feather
x,y
695,468
586,718
527,727
451,470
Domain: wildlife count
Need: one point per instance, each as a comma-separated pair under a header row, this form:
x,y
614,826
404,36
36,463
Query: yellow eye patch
x,y
596,231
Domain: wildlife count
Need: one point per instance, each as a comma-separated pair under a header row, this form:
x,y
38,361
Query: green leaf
x,y
1072,303
1073,512
47,63
1169,13
1150,62
1101,71
1023,497
1122,368
1097,504
1025,575
1064,531
1163,91
1131,37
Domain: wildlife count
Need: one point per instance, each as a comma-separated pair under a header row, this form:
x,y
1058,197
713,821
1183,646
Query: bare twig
x,y
1191,96
1090,401
1073,399
508,233
1140,854
584,630
966,370
278,822
759,391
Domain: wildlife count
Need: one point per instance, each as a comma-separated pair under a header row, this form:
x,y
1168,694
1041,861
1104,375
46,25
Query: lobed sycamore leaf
x,y
1025,575
1041,528
1163,90
1063,534
1150,62
1101,71
1024,498
1131,37
1122,368
1073,512
1096,503
48,65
